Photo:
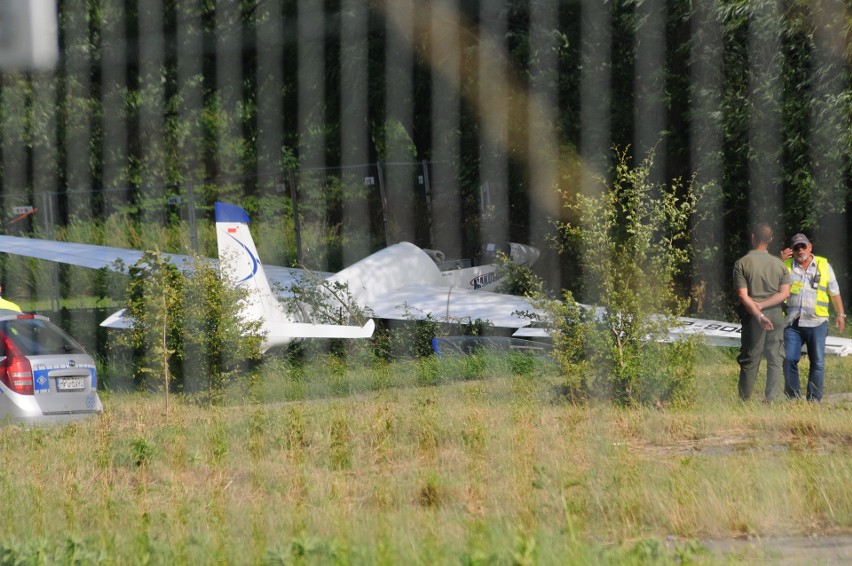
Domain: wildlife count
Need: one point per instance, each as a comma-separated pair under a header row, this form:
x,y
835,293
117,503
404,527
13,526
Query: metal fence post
x,y
427,188
384,197
296,227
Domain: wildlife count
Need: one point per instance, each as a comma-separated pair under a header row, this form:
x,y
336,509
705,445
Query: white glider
x,y
400,282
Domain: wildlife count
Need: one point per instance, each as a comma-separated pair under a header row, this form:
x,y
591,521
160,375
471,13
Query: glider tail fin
x,y
239,261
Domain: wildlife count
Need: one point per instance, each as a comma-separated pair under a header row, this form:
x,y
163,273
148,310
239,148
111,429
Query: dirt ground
x,y
829,550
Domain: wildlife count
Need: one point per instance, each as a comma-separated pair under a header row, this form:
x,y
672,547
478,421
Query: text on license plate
x,y
71,383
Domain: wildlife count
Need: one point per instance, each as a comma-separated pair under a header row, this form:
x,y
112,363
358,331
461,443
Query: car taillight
x,y
16,371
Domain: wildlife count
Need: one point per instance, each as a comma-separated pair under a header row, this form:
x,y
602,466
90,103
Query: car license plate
x,y
72,383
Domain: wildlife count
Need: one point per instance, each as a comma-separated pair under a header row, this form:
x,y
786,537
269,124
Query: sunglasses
x,y
799,247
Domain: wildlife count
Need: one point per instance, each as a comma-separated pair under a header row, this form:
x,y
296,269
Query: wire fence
x,y
377,204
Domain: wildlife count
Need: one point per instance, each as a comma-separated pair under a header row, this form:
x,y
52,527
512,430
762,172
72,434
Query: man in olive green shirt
x,y
762,283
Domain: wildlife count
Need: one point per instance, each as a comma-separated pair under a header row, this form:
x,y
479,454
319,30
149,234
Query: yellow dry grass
x,y
479,470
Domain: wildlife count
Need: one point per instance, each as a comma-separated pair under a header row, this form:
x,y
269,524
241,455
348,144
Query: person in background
x,y
8,305
762,283
812,286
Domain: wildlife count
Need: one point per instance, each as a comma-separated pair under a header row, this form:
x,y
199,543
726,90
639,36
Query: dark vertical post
x,y
296,227
428,191
384,196
193,226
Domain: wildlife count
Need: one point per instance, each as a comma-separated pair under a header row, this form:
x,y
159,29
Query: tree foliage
x,y
188,332
633,240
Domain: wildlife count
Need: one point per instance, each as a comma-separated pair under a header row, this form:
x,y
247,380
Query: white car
x,y
45,375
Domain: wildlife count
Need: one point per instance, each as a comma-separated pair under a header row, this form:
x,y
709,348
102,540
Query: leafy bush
x,y
567,322
633,239
320,301
188,330
515,279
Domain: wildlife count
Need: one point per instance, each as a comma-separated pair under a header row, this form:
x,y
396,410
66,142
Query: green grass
x,y
441,461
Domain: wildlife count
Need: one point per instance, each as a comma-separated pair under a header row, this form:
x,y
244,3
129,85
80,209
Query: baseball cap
x,y
799,239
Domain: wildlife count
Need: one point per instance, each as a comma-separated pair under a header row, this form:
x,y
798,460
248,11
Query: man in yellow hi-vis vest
x,y
812,286
8,305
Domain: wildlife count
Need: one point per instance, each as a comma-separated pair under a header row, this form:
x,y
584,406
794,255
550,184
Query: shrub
x,y
633,239
188,326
